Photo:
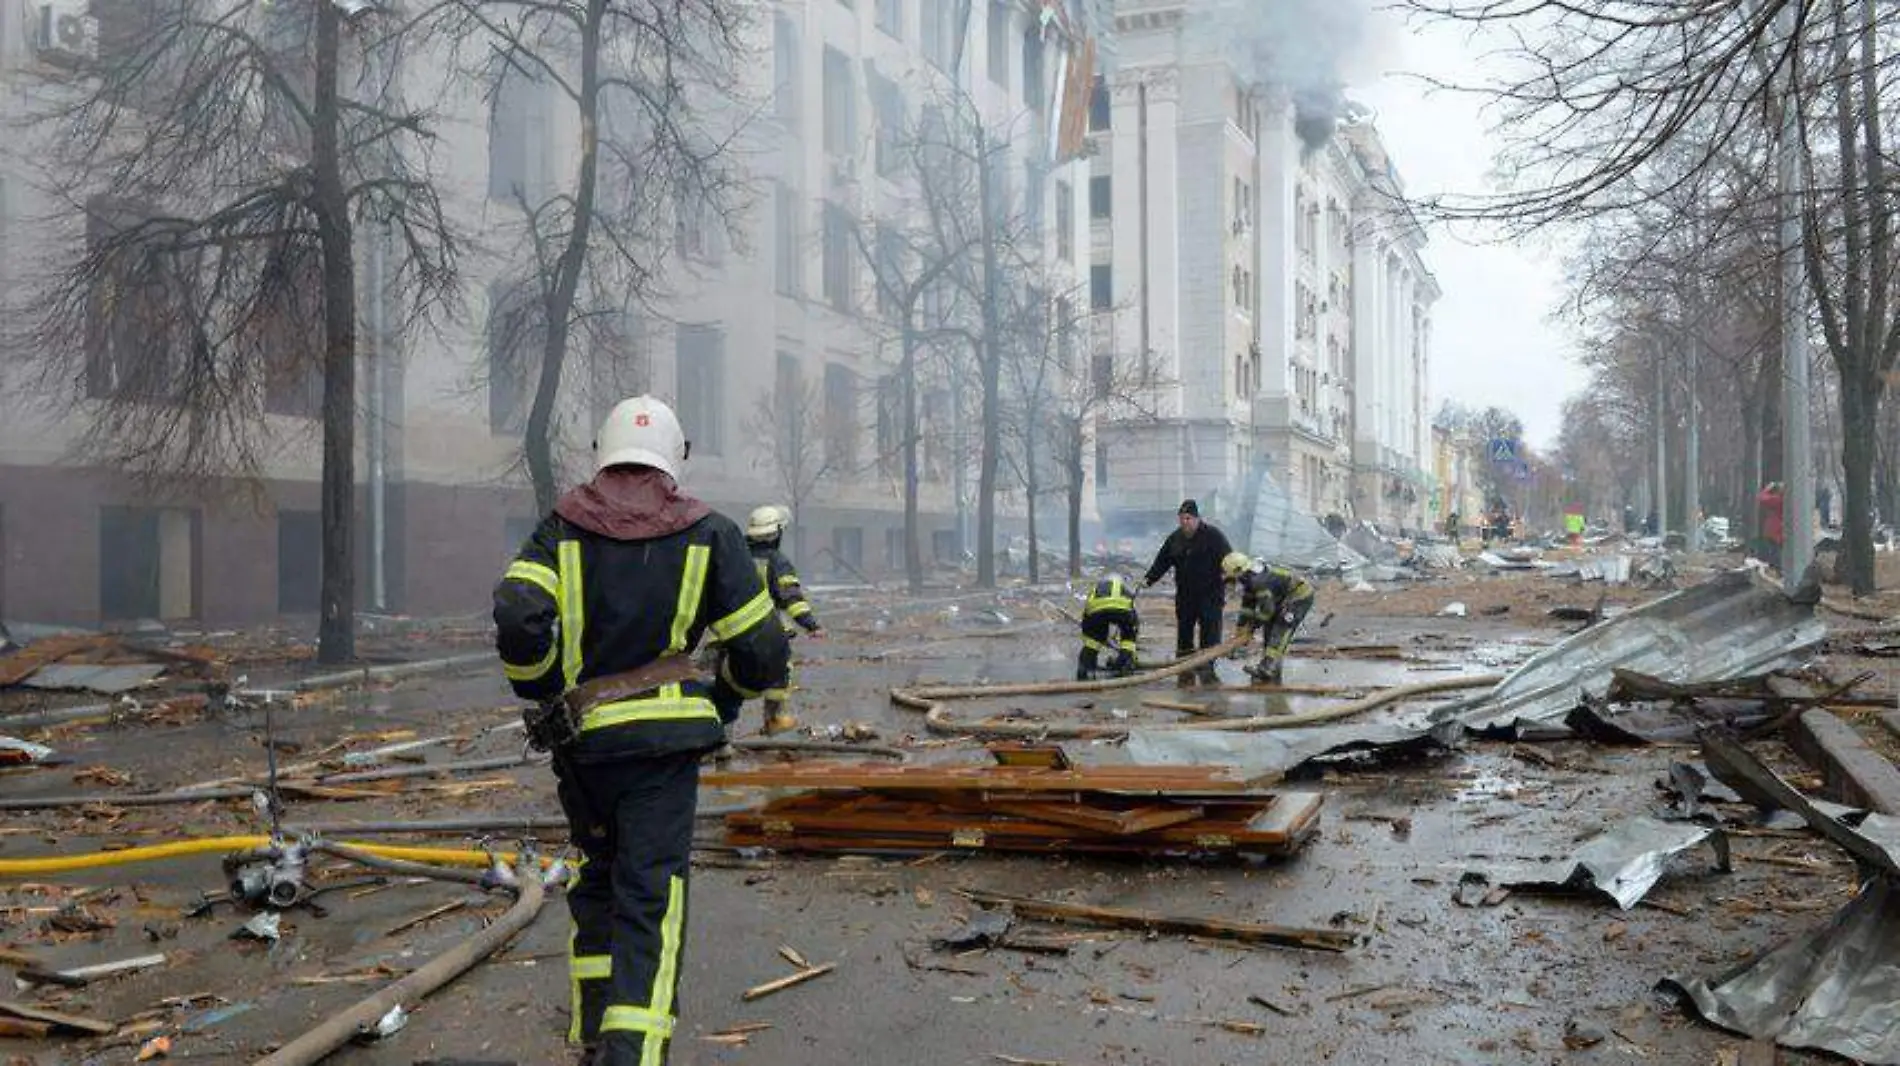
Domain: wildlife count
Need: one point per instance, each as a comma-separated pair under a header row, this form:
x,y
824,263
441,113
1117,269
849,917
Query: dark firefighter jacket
x,y
1195,561
1268,590
781,580
625,570
1110,607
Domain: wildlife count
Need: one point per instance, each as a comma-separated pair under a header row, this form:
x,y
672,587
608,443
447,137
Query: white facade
x,y
1271,284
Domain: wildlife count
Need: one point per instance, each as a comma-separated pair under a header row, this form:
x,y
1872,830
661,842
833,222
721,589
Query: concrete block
x,y
1854,772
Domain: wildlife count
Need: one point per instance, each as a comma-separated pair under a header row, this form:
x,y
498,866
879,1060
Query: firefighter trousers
x,y
633,822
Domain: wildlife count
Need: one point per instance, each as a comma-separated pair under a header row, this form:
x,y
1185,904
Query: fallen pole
x,y
818,747
340,1028
1335,940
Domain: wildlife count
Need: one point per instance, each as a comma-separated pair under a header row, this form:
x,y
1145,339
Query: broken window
x,y
787,258
785,70
514,345
838,259
847,546
1099,106
1033,89
699,351
841,418
887,103
999,42
1102,374
140,321
299,562
520,153
890,274
841,105
890,425
1101,197
1101,287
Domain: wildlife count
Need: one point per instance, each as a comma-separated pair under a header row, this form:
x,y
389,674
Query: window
x,y
1243,206
286,337
1101,197
299,562
1032,67
838,261
1102,375
699,353
520,158
1065,333
785,70
787,257
890,425
935,34
514,341
887,104
1099,108
894,547
890,274
618,364
1065,221
841,105
935,431
1101,464
841,418
847,547
1101,287
135,339
890,17
695,230
943,545
999,42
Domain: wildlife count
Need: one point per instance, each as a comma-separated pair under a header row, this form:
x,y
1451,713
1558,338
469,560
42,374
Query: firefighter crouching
x,y
1110,627
1273,602
764,530
596,620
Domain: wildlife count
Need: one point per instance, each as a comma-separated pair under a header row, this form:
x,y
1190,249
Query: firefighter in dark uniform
x,y
1194,552
1110,627
764,530
1273,602
596,619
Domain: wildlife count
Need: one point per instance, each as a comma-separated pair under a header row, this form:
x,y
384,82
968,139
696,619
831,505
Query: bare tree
x,y
643,80
222,156
1598,94
789,432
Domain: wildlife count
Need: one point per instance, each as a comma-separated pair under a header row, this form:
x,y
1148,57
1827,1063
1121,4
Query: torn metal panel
x,y
87,677
17,752
1623,863
1739,768
1661,724
1283,533
1834,990
1725,628
1268,756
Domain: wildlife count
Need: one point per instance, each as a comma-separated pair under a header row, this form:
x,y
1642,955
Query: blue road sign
x,y
1503,450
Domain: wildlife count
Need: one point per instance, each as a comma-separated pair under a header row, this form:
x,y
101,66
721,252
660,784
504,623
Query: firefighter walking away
x,y
1273,602
764,530
1110,627
596,620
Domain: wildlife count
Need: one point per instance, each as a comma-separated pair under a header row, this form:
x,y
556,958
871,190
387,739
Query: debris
x,y
81,976
1728,627
431,913
1623,863
1454,609
106,680
791,954
1262,1001
19,1029
1476,890
1012,1060
198,1023
89,1026
266,926
392,1022
983,929
788,981
1580,1033
157,1047
1833,989
1245,932
17,752
75,918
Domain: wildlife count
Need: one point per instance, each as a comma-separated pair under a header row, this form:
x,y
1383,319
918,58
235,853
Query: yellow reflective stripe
x,y
536,671
1128,644
590,967
624,1019
574,1034
573,611
1109,603
668,976
725,674
756,610
799,609
692,588
670,705
788,581
1093,645
534,574
776,695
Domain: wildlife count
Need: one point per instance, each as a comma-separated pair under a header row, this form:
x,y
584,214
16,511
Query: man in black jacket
x,y
601,610
1194,552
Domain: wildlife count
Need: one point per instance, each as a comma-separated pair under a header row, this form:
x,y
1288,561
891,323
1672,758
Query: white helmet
x,y
766,522
643,431
1234,564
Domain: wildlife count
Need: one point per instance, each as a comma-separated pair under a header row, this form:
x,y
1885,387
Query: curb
x,y
1854,772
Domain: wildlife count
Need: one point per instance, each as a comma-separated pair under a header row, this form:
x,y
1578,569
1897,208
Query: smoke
x,y
1312,49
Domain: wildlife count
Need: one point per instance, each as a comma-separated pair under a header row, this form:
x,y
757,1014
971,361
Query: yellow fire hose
x,y
54,864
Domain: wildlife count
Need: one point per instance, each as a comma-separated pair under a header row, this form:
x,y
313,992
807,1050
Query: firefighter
x,y
596,620
1273,601
764,529
1109,625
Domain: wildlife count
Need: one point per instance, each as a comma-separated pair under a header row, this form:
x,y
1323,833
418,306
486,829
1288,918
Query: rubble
x,y
1622,863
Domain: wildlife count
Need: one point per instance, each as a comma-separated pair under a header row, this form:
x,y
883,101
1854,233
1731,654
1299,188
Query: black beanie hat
x,y
1190,507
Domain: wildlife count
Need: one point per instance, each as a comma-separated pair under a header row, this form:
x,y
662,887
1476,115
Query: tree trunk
x,y
336,627
558,291
1030,486
1860,403
913,551
991,354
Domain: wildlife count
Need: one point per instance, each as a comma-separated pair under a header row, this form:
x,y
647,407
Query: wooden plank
x,y
1098,819
1124,780
57,1020
1115,918
799,978
16,1029
17,666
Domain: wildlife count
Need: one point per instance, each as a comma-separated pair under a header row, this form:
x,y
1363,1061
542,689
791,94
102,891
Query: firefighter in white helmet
x,y
596,620
764,531
1273,602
